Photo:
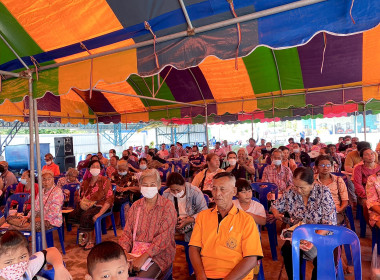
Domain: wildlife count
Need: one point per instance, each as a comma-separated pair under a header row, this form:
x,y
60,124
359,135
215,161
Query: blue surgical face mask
x,y
277,162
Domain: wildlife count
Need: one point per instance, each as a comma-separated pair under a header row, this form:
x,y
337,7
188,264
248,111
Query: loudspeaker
x,y
63,146
65,162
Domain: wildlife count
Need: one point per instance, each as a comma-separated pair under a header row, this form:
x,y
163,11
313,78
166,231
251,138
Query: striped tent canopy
x,y
317,60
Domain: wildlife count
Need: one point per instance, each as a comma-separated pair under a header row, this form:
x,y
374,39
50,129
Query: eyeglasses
x,y
324,165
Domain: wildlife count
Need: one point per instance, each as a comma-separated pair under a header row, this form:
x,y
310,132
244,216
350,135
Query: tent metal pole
x,y
14,52
232,21
40,189
206,127
189,24
12,74
97,133
32,176
365,121
252,125
147,97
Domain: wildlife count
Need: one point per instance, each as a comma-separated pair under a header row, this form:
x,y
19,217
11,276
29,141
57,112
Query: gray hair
x,y
73,172
245,151
122,163
277,151
150,173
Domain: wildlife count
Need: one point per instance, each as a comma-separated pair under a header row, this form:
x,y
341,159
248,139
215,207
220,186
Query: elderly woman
x,y
87,174
25,186
112,168
308,202
149,231
52,202
126,185
244,161
71,177
188,201
203,179
96,198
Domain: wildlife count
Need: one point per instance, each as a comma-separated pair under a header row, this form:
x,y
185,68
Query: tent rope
x,y
324,50
148,27
232,8
36,65
352,5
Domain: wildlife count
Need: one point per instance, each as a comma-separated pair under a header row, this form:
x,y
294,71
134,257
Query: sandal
x,y
83,239
89,245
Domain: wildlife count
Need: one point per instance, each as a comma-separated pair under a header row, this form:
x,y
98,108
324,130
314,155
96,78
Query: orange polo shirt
x,y
223,245
52,167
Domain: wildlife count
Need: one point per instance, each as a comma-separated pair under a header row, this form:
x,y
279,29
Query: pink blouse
x,y
52,200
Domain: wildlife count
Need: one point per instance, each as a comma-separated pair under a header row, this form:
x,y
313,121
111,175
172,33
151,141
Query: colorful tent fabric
x,y
271,82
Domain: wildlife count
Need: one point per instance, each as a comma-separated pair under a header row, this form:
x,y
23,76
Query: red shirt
x,y
156,227
21,189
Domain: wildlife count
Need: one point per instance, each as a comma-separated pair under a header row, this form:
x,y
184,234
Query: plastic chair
x,y
272,231
325,245
122,214
186,245
207,198
165,173
261,170
162,189
49,238
9,191
100,226
169,274
72,188
21,199
362,222
376,238
48,273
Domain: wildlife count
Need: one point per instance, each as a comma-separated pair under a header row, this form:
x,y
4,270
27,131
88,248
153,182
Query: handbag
x,y
188,227
138,248
86,204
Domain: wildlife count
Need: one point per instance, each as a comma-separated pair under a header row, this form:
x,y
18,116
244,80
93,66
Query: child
x,y
107,260
244,202
17,264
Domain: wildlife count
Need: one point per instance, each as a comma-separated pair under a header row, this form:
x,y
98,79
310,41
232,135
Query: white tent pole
x,y
14,52
32,176
189,24
365,121
12,74
206,127
97,133
40,189
232,21
147,97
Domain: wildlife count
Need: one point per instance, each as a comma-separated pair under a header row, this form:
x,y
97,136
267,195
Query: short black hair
x,y
217,143
304,174
283,148
93,161
195,146
142,159
291,138
172,145
230,153
362,144
323,157
12,239
103,252
151,154
242,185
175,178
117,158
315,141
113,150
363,150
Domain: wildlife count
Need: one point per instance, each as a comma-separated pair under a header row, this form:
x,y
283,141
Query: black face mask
x,y
125,157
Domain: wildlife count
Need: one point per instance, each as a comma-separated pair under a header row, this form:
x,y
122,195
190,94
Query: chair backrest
x,y
207,199
72,188
263,191
162,189
261,170
9,191
325,245
21,198
165,173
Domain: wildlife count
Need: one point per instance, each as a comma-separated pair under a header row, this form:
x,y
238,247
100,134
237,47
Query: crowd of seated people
x,y
215,194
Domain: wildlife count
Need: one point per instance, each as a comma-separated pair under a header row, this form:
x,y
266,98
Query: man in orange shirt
x,y
225,243
50,165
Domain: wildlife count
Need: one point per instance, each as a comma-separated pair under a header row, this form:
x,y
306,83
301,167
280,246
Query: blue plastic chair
x,y
9,191
100,226
376,238
48,273
169,274
207,198
49,238
122,214
162,189
272,231
21,199
325,245
165,173
261,170
72,188
362,222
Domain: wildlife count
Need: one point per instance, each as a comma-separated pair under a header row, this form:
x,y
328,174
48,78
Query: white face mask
x,y
232,161
178,195
296,151
142,166
14,271
23,181
48,162
123,173
95,171
277,162
348,142
269,149
195,153
149,192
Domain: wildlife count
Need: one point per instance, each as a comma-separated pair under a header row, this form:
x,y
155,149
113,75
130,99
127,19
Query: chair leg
x,y
363,224
113,224
122,216
61,239
261,272
340,271
272,235
98,232
104,226
350,217
49,239
347,250
38,242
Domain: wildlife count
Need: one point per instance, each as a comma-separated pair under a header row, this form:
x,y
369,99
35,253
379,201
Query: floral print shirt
x,y
320,208
53,200
373,197
101,191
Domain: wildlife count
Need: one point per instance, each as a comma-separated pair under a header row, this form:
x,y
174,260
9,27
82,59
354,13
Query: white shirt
x,y
255,208
36,262
182,206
